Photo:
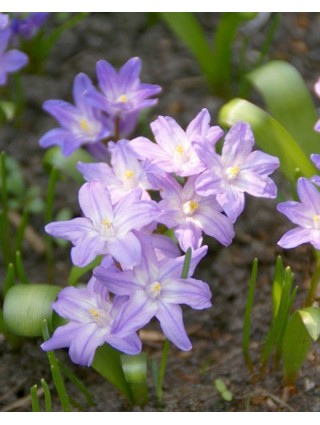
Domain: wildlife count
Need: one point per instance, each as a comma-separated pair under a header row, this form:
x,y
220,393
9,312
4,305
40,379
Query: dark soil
x,y
216,333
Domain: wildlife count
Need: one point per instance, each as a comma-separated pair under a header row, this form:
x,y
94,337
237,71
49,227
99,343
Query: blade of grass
x,y
248,314
49,217
21,274
78,383
47,396
34,398
56,373
162,369
4,220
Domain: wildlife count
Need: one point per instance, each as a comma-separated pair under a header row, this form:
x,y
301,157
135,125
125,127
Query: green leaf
x,y
77,272
186,26
26,306
288,100
135,372
277,286
66,164
311,320
107,362
295,347
270,135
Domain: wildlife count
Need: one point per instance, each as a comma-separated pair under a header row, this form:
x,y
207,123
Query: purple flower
x,y
4,21
123,95
174,152
156,289
106,229
317,90
190,214
11,60
28,27
80,124
237,170
91,316
315,158
306,214
125,174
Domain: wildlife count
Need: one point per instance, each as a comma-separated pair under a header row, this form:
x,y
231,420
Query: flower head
x,y
90,314
190,215
173,152
106,229
125,174
10,60
155,289
28,26
237,170
306,214
122,94
81,124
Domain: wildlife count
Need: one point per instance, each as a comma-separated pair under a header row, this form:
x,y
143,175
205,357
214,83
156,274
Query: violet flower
x,y
156,289
306,214
80,124
315,158
91,315
10,60
106,229
238,170
190,215
28,26
125,174
317,90
122,95
173,152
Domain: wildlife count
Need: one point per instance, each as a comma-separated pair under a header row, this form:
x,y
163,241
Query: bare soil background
x,y
216,333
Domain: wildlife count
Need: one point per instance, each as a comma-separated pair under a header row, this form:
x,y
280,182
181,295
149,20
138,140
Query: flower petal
x,y
171,322
192,292
95,202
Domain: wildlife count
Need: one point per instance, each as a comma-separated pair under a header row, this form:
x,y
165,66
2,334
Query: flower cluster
x,y
110,111
181,183
11,60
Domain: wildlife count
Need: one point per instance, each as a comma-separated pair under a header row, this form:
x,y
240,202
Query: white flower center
x,y
190,207
232,172
316,221
106,228
123,98
154,290
87,127
100,317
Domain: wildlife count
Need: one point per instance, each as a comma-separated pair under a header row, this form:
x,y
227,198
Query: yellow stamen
x,y
316,219
94,313
179,149
84,124
106,222
232,172
128,174
123,98
190,207
156,287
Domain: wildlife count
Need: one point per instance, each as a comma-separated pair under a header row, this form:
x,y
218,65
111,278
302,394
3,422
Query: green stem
x,y
247,316
163,364
48,217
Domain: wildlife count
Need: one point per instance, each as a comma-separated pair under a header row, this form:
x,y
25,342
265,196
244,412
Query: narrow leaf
x,y
247,316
